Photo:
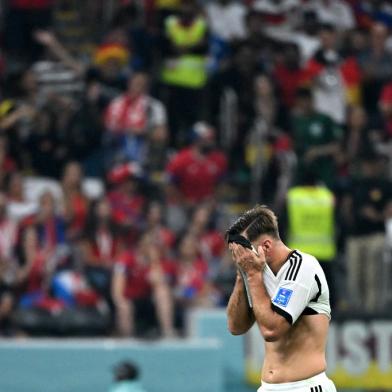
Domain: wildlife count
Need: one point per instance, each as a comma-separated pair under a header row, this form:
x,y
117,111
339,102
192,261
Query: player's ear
x,y
267,244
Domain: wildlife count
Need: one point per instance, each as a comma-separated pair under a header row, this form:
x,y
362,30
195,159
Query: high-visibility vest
x,y
188,70
311,221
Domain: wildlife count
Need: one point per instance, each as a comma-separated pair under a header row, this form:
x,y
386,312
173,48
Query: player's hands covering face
x,y
248,260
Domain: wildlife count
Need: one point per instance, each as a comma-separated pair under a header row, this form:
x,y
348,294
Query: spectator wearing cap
x,y
141,289
126,378
132,118
125,197
196,171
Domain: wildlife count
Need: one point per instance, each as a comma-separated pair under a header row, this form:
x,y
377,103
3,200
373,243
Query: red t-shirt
x,y
288,82
197,176
213,243
126,208
137,274
192,277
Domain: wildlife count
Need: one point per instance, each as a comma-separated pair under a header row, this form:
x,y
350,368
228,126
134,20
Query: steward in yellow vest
x,y
185,64
311,221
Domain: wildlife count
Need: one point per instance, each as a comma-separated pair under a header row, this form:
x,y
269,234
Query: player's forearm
x,y
271,325
239,316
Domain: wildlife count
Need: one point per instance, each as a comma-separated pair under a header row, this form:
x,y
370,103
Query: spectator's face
x,y
358,41
47,205
263,86
187,12
201,217
111,68
103,210
188,248
154,214
328,39
16,186
137,85
378,36
304,104
73,174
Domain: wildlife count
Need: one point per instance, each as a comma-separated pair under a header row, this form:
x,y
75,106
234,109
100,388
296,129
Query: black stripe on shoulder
x,y
299,265
317,296
282,313
289,270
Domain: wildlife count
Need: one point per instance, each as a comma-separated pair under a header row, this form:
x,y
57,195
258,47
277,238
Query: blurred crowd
x,y
132,132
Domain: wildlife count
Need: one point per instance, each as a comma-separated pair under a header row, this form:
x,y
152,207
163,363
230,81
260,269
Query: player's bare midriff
x,y
298,355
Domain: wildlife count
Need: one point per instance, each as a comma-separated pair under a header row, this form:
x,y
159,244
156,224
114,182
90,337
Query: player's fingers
x,y
260,251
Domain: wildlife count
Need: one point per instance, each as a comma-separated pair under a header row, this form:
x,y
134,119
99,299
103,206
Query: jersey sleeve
x,y
295,291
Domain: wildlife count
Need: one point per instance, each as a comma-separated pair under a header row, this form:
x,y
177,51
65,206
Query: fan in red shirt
x,y
196,171
100,247
125,199
141,288
193,286
76,203
211,241
156,228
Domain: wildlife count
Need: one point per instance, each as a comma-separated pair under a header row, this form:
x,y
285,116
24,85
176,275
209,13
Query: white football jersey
x,y
298,288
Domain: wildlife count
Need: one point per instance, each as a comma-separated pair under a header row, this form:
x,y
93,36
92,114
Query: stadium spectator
x,y
289,74
316,140
336,80
196,171
365,208
75,203
100,246
358,139
193,287
184,72
133,118
141,289
156,228
375,63
210,240
125,197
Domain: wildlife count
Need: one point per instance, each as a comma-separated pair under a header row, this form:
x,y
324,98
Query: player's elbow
x,y
236,329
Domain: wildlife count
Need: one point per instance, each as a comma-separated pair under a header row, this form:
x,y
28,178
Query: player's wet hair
x,y
255,222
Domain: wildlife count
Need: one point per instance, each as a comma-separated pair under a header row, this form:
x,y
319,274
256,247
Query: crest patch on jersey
x,y
282,298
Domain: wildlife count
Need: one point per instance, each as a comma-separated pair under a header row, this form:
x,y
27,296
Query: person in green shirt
x,y
126,376
316,140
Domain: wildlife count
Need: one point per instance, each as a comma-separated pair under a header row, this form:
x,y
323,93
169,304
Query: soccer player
x,y
289,300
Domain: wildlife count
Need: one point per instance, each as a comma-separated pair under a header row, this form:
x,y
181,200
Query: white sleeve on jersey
x,y
298,287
